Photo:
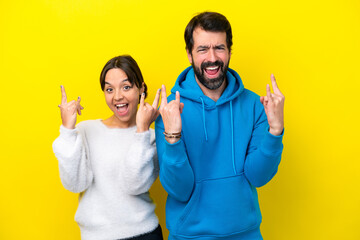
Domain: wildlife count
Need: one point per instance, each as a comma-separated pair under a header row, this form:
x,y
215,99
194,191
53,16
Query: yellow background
x,y
312,47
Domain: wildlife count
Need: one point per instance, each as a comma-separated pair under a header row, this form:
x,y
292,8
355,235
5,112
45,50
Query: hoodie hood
x,y
188,88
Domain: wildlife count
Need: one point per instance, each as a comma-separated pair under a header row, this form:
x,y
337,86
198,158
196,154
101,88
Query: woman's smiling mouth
x,y
122,108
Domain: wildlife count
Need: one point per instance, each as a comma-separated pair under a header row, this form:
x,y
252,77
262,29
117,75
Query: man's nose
x,y
211,56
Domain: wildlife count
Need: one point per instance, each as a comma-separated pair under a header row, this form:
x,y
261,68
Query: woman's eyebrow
x,y
125,80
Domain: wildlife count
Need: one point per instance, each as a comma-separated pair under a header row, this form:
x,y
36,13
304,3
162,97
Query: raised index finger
x,y
274,85
63,95
163,96
177,97
142,99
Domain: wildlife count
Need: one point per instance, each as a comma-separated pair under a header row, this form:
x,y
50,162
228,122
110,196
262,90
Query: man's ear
x,y
189,56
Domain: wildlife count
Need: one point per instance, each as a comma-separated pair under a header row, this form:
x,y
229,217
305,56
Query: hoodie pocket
x,y
220,207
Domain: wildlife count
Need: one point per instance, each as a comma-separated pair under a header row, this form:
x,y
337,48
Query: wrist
x,y
172,130
172,140
140,129
276,131
69,126
172,137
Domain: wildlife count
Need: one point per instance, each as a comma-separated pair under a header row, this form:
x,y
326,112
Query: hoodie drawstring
x,y
232,138
232,131
203,111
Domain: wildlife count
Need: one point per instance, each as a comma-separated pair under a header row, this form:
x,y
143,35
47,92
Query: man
x,y
219,143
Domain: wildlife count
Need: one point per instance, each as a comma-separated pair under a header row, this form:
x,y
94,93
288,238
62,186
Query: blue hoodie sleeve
x,y
176,174
264,151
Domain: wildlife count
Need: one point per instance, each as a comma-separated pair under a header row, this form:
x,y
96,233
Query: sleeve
x,y
141,167
264,152
176,174
71,151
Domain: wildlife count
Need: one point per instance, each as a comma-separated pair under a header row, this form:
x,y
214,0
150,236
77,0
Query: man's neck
x,y
213,94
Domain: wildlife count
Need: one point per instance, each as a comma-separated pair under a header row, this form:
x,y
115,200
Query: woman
x,y
112,163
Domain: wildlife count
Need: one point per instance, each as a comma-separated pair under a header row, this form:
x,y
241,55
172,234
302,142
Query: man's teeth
x,y
212,68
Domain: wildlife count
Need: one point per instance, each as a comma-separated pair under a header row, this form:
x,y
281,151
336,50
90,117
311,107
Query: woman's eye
x,y
127,87
109,90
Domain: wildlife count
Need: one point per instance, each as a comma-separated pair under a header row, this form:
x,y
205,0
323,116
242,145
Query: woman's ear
x,y
142,89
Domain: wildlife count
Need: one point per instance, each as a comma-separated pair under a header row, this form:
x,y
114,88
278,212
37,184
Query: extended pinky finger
x,y
268,92
79,110
78,106
156,116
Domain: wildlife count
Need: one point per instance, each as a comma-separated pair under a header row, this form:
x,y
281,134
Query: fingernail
x,y
78,97
143,94
60,86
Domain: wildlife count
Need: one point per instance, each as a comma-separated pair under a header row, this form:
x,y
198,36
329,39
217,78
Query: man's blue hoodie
x,y
212,172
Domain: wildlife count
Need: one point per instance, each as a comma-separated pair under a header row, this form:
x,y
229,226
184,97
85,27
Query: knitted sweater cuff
x,y
68,133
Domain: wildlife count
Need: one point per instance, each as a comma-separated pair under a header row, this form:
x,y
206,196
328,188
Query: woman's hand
x,y
274,107
147,113
170,113
69,110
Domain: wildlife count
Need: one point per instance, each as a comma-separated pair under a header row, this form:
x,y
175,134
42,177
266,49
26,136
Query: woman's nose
x,y
118,95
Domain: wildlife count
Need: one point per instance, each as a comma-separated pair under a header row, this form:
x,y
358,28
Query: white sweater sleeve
x,y
141,167
71,151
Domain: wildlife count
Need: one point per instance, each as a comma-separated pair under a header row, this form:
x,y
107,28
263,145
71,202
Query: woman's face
x,y
122,97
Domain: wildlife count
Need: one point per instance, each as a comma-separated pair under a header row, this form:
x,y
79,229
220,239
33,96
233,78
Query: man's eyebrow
x,y
207,47
203,46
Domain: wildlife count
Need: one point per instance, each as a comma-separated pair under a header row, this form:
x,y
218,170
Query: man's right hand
x,y
170,113
69,110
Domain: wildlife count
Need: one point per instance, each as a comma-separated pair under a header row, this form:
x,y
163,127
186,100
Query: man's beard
x,y
213,83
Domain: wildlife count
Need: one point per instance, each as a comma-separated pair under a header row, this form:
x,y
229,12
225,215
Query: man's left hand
x,y
274,108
